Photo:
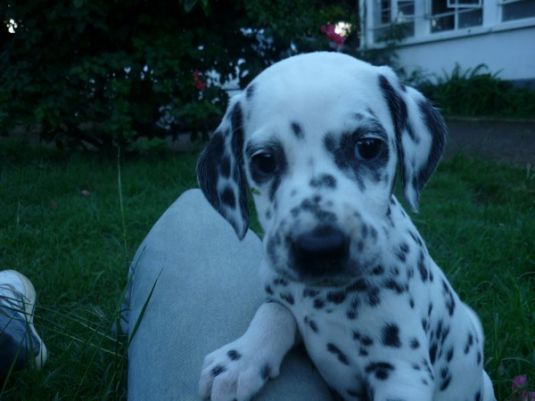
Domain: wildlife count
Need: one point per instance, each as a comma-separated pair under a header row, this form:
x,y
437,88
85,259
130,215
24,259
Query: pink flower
x,y
519,381
329,31
198,80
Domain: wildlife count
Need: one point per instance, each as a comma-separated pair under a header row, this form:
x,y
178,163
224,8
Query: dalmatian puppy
x,y
317,139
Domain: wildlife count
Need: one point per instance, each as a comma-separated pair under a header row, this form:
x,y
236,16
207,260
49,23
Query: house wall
x,y
506,47
509,52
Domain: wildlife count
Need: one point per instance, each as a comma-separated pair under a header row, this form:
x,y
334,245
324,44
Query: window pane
x,y
385,12
444,23
464,3
470,18
517,10
439,7
406,8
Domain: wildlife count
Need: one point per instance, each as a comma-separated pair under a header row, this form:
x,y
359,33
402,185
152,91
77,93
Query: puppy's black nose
x,y
322,251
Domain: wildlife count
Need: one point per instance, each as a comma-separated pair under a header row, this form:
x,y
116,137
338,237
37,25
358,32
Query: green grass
x,y
477,217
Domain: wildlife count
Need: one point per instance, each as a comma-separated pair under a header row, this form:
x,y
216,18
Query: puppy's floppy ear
x,y
420,134
220,171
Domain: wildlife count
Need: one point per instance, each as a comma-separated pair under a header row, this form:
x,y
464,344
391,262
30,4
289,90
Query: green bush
x,y
477,92
104,73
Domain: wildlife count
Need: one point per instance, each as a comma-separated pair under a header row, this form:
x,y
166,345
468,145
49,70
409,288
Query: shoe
x,y
19,347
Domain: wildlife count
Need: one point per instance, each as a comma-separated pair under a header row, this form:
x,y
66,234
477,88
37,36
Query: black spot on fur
x,y
323,181
378,270
381,370
422,268
228,198
265,372
359,285
366,341
469,343
288,298
393,285
445,383
390,335
297,130
373,297
479,357
217,370
280,281
312,324
415,344
449,354
448,296
318,303
310,293
339,354
329,142
233,355
268,289
336,297
477,397
433,352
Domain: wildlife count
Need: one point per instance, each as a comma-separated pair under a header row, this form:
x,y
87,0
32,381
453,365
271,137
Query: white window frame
x,y
456,4
378,25
455,12
502,3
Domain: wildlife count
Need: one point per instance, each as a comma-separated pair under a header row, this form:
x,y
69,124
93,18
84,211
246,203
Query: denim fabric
x,y
205,290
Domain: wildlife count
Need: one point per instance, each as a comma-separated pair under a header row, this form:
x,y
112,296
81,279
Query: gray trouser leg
x,y
205,291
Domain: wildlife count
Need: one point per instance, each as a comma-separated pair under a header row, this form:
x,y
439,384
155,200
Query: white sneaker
x,y
17,304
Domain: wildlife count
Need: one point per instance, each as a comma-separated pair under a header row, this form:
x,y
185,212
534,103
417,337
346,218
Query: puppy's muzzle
x,y
323,251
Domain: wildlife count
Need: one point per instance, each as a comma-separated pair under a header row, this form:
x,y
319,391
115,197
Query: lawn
x,y
72,223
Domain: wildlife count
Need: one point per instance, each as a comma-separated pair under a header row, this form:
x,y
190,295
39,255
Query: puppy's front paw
x,y
236,371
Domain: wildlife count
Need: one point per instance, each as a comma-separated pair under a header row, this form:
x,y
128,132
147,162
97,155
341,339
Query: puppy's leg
x,y
239,370
396,381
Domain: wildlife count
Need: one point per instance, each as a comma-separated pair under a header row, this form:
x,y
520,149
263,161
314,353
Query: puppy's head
x,y
317,138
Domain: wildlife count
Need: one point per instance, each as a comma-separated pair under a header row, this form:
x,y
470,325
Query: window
x,y
464,3
447,15
393,13
517,9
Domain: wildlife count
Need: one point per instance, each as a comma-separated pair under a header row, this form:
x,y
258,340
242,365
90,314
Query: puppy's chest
x,y
349,333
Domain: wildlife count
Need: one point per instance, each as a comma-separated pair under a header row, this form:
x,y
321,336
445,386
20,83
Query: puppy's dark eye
x,y
369,148
263,164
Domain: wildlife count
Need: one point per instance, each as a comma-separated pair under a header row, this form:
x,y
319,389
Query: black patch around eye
x,y
297,130
267,163
369,149
329,142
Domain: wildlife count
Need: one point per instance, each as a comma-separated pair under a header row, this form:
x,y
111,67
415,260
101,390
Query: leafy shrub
x,y
477,92
102,74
